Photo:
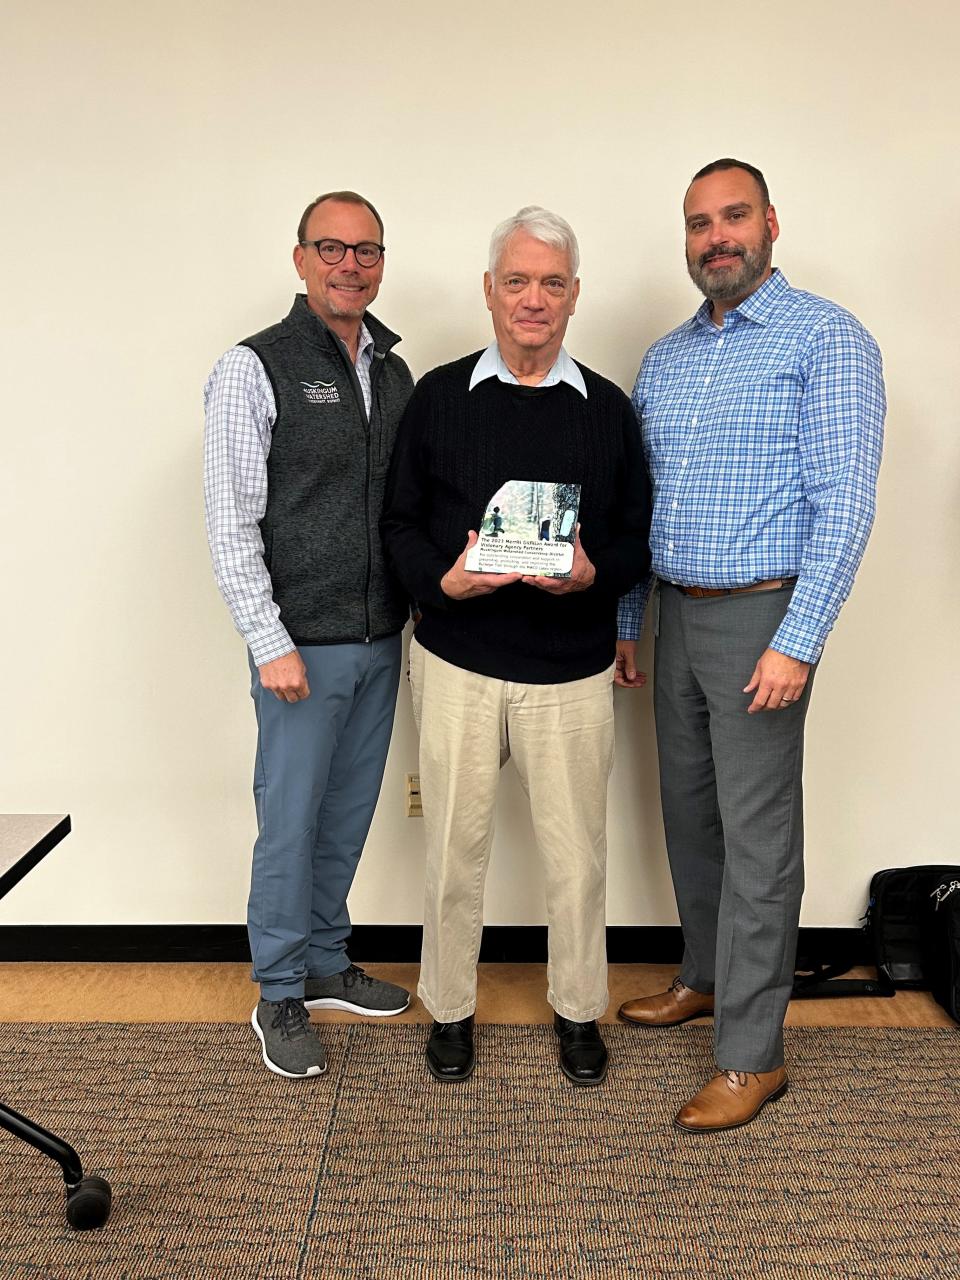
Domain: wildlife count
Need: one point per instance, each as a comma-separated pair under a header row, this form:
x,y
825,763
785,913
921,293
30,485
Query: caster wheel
x,y
88,1204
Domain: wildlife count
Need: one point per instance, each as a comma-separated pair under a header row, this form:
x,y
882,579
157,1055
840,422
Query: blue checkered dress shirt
x,y
763,440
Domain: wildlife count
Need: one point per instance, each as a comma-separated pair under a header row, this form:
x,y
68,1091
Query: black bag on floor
x,y
941,960
898,920
898,928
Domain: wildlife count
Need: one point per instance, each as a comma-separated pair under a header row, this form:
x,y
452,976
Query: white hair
x,y
542,225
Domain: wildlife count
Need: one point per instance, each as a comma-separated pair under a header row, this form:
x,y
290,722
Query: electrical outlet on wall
x,y
414,807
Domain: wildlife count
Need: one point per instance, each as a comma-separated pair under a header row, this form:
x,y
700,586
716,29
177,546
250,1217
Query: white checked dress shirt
x,y
239,413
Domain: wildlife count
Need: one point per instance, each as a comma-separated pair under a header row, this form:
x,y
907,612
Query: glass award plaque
x,y
528,527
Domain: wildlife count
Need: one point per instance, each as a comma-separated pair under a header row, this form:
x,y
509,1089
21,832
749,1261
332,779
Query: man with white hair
x,y
509,664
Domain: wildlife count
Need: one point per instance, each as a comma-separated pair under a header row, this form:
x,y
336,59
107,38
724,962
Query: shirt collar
x,y
491,365
758,306
365,340
308,322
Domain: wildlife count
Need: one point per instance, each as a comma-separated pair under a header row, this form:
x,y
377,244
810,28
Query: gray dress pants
x,y
731,787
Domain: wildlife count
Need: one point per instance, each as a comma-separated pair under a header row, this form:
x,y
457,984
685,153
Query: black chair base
x,y
88,1198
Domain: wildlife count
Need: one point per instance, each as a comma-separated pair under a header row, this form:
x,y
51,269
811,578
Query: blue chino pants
x,y
316,782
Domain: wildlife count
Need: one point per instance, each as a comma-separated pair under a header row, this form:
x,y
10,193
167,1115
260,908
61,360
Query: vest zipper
x,y
367,423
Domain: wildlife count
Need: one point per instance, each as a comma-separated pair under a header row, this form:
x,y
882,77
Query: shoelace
x,y
737,1077
676,985
355,975
292,1019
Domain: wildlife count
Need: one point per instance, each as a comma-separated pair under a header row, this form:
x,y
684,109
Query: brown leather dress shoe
x,y
731,1098
668,1008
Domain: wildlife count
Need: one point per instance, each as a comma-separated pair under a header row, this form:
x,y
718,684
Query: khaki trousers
x,y
561,739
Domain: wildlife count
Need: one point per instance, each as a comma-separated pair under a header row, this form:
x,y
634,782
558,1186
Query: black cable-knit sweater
x,y
454,449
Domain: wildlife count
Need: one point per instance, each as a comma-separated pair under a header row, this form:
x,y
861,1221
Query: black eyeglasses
x,y
366,253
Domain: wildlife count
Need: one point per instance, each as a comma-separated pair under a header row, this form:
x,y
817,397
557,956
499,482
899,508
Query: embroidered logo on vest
x,y
320,392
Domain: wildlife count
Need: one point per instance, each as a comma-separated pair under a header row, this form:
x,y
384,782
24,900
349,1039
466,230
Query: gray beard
x,y
733,282
346,309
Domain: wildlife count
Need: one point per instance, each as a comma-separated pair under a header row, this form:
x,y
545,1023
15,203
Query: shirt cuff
x,y
631,609
629,623
269,645
797,641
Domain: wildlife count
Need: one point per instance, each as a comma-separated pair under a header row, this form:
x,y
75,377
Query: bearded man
x,y
762,421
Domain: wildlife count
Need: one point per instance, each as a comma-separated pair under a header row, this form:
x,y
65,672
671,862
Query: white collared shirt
x,y
491,365
240,413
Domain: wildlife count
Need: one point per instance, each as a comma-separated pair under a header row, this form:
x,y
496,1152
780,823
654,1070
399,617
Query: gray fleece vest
x,y
326,472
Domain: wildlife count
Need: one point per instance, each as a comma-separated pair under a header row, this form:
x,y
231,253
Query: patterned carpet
x,y
223,1171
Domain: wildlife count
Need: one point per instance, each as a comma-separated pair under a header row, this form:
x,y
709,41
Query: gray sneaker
x,y
290,1044
356,992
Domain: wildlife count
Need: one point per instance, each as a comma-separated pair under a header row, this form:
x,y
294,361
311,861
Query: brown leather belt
x,y
705,593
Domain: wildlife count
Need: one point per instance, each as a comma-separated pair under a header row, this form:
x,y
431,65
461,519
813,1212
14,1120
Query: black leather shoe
x,y
450,1054
583,1055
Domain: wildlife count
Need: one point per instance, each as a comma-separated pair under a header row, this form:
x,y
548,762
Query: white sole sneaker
x,y
272,1066
332,1002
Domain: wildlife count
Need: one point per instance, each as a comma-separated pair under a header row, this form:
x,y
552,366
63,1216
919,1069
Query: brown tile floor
x,y
510,993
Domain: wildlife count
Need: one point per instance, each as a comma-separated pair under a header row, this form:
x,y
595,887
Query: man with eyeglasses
x,y
508,664
762,421
300,424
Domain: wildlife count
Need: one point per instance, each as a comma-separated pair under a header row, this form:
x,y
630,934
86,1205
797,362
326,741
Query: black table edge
x,y
35,855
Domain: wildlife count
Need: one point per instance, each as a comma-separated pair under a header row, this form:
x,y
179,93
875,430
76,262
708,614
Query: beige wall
x,y
158,156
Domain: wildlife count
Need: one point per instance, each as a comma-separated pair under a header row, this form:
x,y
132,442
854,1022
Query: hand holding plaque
x,y
582,574
460,583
